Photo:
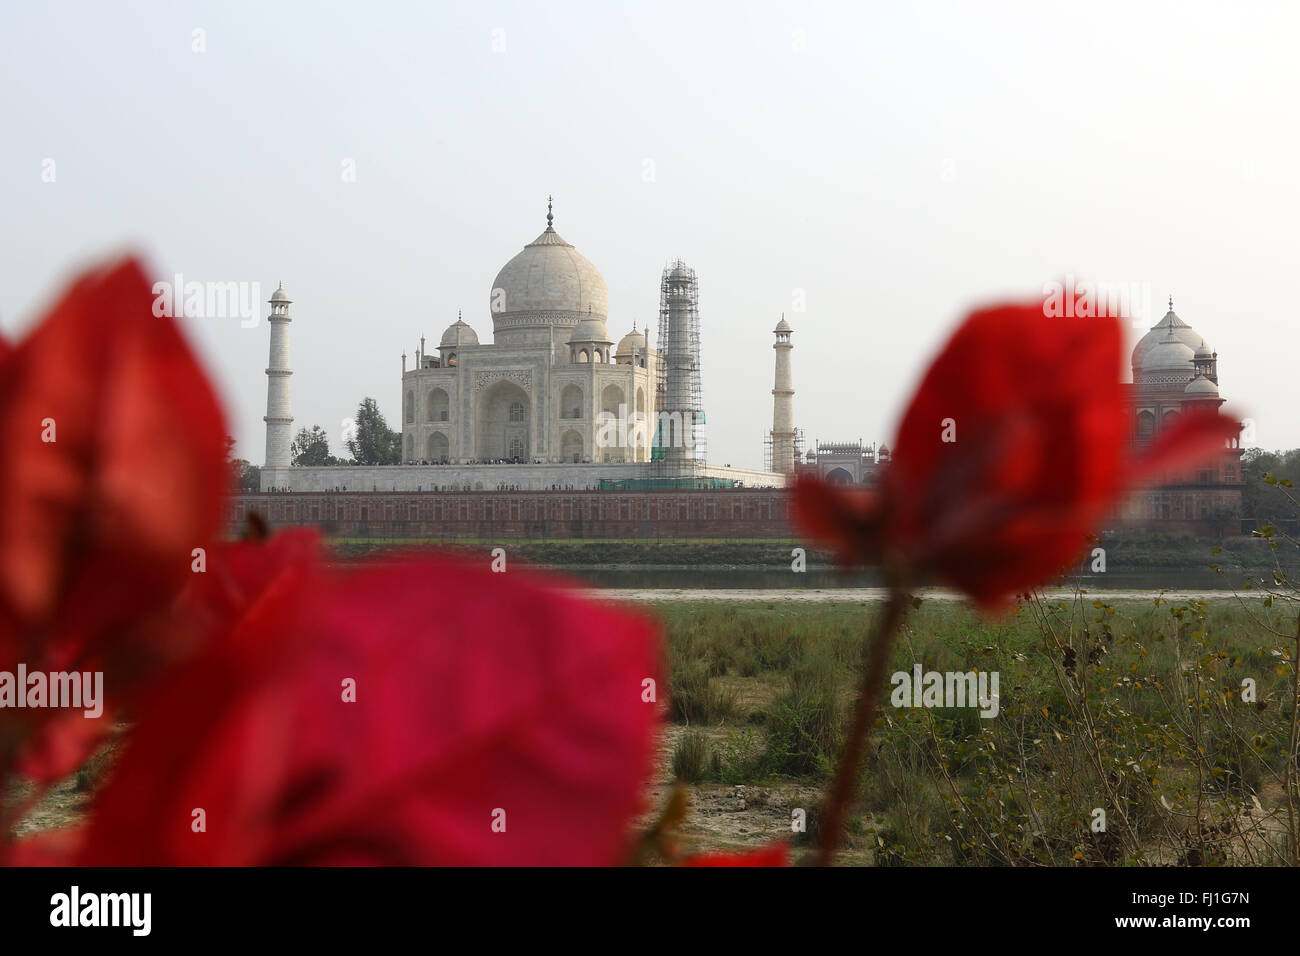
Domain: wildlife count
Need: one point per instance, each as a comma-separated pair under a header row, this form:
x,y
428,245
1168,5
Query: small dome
x,y
633,341
1204,351
279,295
459,334
783,326
590,329
1201,387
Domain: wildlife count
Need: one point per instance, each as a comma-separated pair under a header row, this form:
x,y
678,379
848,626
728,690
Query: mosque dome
x,y
458,334
549,283
1167,356
1171,326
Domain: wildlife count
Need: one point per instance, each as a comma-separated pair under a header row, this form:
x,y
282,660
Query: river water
x,y
783,579
777,585
873,595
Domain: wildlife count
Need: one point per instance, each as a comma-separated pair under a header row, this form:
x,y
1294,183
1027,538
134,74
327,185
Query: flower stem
x,y
876,659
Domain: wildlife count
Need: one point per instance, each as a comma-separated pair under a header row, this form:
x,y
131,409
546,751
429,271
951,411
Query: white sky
x,y
909,161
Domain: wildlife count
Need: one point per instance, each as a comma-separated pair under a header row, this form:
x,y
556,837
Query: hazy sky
x,y
897,163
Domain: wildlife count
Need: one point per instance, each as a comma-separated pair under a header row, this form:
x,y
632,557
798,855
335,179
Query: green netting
x,y
664,484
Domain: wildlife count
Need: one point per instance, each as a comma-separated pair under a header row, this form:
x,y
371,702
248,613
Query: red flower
x,y
1014,448
495,720
113,474
774,854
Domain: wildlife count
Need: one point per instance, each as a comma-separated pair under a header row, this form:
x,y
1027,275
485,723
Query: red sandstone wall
x,y
739,513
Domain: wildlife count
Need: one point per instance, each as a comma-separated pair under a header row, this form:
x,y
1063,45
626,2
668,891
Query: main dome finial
x,y
549,217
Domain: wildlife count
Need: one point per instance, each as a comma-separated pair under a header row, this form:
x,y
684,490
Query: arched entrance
x,y
439,405
839,476
571,446
502,421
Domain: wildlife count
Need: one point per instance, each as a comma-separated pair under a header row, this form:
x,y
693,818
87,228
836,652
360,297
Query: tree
x,y
1261,498
372,441
248,477
244,476
311,446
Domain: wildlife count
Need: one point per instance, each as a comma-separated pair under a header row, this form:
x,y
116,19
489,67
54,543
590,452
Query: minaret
x,y
680,436
278,418
783,402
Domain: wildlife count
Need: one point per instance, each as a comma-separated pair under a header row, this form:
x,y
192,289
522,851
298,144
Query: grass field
x,y
1129,717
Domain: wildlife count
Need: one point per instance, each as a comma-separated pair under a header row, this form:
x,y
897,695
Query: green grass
x,y
1134,708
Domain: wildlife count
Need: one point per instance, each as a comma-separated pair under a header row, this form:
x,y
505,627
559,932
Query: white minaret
x,y
278,418
783,402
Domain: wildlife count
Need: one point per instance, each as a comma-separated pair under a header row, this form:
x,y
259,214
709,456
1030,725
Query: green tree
x,y
248,477
244,476
1262,498
311,446
372,441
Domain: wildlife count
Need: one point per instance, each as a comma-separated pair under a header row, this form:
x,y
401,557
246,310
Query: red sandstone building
x,y
1174,372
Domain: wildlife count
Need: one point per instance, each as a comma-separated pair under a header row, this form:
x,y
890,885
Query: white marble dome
x,y
590,329
458,334
1201,387
549,276
633,340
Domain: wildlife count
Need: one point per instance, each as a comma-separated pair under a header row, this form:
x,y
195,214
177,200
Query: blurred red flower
x,y
495,720
774,854
114,473
1014,448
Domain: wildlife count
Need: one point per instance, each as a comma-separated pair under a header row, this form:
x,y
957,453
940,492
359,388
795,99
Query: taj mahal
x,y
552,401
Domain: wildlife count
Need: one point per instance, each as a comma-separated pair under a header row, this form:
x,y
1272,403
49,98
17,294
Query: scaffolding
x,y
798,449
679,404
